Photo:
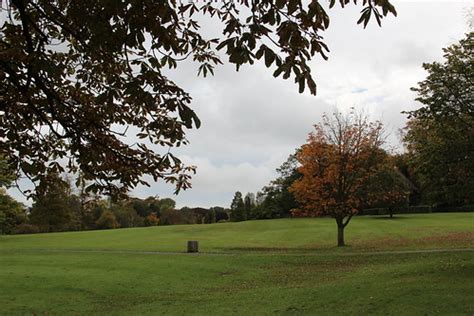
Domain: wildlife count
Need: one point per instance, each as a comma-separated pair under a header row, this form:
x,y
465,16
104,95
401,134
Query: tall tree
x,y
237,208
249,204
440,135
341,156
74,73
51,209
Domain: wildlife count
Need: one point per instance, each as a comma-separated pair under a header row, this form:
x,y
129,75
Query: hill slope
x,y
363,233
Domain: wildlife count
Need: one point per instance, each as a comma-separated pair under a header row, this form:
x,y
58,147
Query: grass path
x,y
314,253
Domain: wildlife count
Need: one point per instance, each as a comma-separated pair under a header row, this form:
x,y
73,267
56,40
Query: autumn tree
x,y
341,157
440,135
80,78
152,220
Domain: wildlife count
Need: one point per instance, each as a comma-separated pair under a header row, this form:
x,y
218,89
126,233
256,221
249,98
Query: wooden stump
x,y
193,246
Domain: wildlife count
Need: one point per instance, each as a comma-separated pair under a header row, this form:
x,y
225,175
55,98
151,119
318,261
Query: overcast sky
x,y
251,121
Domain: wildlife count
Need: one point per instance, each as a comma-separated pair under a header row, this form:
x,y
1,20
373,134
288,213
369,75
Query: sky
x,y
251,121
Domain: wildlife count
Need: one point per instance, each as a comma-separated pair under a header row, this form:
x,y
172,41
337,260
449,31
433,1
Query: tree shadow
x,y
387,217
268,249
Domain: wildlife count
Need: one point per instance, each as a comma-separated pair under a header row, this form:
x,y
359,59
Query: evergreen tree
x,y
249,204
237,208
51,209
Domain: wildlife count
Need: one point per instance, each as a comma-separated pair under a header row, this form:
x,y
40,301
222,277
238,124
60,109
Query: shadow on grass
x,y
388,218
279,250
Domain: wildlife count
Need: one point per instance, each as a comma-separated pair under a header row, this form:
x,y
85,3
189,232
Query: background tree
x,y
74,73
249,204
107,220
174,217
440,135
51,209
277,200
402,164
152,220
142,207
342,154
77,215
237,208
87,202
166,204
221,213
211,216
12,213
125,214
388,188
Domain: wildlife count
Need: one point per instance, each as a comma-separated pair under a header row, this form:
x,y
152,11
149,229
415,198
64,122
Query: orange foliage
x,y
152,220
337,162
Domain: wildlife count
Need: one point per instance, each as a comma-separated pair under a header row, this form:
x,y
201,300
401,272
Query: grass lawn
x,y
287,266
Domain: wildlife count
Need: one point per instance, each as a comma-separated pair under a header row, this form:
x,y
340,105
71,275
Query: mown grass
x,y
261,267
363,233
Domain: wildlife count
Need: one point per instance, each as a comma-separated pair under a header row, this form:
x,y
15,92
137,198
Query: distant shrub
x,y
417,209
126,215
171,217
448,209
152,220
107,220
26,229
221,213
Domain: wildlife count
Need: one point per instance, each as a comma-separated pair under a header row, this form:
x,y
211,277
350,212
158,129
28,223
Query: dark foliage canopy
x,y
440,135
79,79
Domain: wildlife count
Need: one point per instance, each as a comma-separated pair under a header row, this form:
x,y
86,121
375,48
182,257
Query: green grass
x,y
287,266
363,233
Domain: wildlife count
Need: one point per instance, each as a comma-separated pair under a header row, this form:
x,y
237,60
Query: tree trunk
x,y
340,236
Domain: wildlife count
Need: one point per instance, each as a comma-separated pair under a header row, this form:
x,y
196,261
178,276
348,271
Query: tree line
x,y
60,206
